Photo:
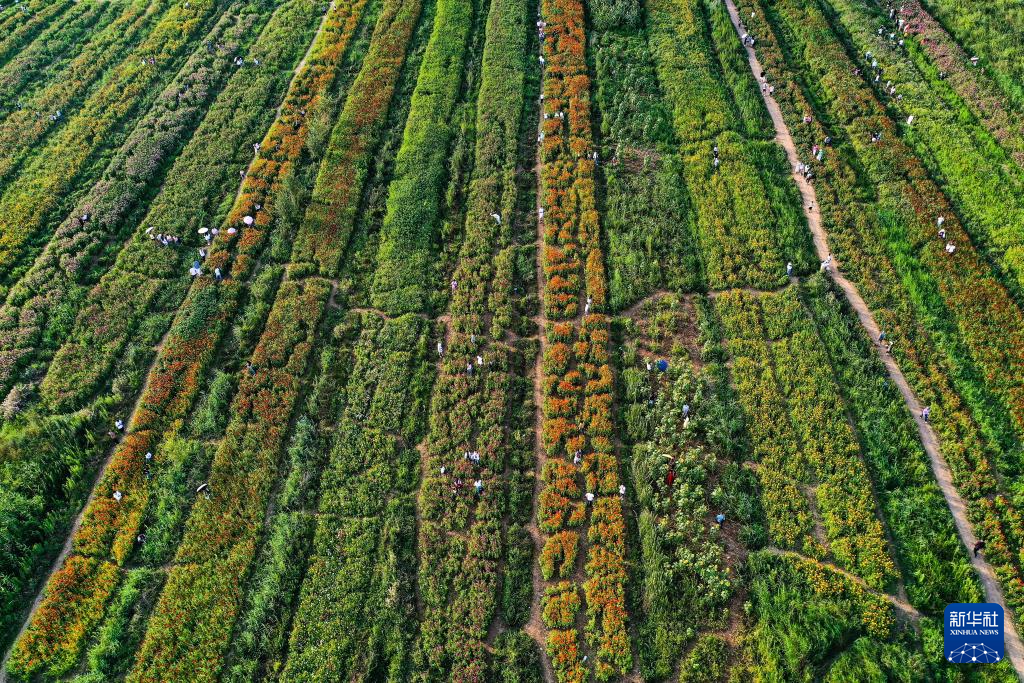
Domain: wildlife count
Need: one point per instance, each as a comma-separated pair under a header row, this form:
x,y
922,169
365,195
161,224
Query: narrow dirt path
x,y
535,627
993,592
899,603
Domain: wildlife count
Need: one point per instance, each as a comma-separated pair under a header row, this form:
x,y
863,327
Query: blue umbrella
x,y
195,264
662,365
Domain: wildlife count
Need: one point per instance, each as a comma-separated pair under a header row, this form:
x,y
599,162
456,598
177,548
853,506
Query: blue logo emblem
x,y
974,633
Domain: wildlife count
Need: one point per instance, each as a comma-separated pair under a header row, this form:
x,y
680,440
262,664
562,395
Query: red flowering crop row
x,y
991,325
332,212
191,625
932,359
581,478
980,91
109,527
149,280
461,540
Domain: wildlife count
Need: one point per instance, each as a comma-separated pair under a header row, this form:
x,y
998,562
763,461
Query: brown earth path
x,y
993,592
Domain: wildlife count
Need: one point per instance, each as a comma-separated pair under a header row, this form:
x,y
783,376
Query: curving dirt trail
x,y
993,592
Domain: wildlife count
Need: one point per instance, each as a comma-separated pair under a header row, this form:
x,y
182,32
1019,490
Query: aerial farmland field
x,y
510,341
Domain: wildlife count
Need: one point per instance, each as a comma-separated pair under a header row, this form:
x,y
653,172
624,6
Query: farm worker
x,y
119,424
926,413
589,497
540,212
716,162
950,247
440,349
649,366
443,469
118,496
193,271
149,456
888,349
821,155
686,410
771,89
974,61
216,274
942,234
910,119
715,151
622,490
881,337
542,60
496,217
250,368
719,518
576,458
479,360
202,253
789,269
469,368
940,220
455,285
671,477
586,308
978,547
209,237
479,486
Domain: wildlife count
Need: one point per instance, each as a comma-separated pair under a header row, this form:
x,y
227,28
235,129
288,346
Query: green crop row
x,y
23,22
109,528
404,265
985,29
25,131
356,613
647,213
933,561
42,504
148,281
334,207
462,540
939,57
818,453
40,309
29,202
192,622
38,63
983,182
749,223
872,240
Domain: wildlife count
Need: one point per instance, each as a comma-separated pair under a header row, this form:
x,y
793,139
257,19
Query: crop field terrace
x,y
509,340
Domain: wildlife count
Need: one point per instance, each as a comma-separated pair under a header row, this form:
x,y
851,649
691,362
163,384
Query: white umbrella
x,y
248,220
232,231
203,231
